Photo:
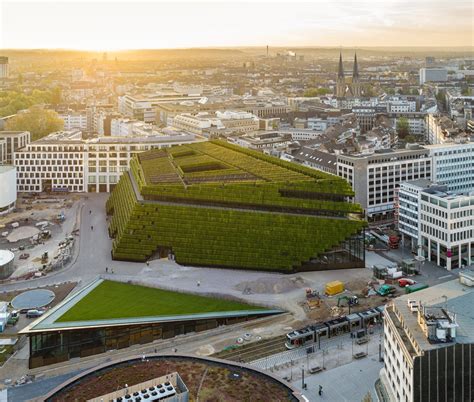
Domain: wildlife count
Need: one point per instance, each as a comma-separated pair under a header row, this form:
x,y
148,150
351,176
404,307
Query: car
x,y
34,313
402,282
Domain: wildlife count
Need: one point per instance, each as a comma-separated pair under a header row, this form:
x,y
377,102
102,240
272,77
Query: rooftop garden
x,y
114,300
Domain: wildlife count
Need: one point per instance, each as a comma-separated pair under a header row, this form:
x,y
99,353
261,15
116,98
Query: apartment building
x,y
428,344
375,177
64,161
416,121
10,141
440,129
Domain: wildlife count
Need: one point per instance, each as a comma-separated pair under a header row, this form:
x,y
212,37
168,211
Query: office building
x,y
3,67
64,161
433,74
453,165
12,141
74,120
437,223
144,108
429,344
374,177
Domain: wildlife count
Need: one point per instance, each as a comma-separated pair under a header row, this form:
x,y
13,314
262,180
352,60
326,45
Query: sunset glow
x,y
130,25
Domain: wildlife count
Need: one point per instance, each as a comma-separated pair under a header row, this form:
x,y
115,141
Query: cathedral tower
x,y
341,82
355,85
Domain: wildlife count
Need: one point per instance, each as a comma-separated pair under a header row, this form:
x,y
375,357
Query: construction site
x,y
41,233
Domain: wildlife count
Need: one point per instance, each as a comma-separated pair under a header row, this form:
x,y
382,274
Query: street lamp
x,y
303,385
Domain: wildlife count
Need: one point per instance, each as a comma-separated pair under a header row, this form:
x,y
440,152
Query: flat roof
x,y
460,301
48,321
6,256
6,168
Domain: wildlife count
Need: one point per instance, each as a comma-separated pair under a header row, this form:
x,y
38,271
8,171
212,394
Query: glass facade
x,y
349,254
51,347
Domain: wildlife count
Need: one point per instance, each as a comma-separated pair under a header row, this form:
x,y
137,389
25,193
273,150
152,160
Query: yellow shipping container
x,y
333,288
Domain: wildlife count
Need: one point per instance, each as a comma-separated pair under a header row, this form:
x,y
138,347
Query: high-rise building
x,y
3,67
433,75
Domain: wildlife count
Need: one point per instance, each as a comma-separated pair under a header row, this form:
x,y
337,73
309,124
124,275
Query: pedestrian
x,y
92,227
320,390
112,270
199,283
90,211
106,269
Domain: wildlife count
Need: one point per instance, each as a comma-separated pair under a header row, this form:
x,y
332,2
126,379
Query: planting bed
x,y
220,382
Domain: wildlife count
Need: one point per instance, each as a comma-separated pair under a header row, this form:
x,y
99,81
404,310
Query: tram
x,y
364,320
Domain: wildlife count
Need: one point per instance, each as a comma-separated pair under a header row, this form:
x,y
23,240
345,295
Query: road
x,y
92,251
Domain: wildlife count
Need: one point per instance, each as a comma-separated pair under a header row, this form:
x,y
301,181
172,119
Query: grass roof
x,y
114,300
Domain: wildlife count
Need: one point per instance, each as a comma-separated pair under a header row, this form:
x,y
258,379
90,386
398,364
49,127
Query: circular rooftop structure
x,y
6,263
33,299
6,257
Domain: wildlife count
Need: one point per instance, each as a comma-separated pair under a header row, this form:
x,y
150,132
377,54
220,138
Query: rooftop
x,y
108,303
460,300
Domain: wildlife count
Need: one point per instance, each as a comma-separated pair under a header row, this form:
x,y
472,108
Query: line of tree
x,y
13,101
38,121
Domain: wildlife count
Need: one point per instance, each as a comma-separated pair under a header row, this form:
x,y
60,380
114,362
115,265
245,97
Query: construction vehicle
x,y
44,258
313,299
310,293
389,238
351,300
416,287
386,290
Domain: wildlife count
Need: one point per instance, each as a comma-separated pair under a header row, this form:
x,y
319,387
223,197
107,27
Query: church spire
x,y
340,73
355,73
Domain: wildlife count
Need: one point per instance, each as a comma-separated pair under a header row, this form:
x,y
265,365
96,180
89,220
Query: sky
x,y
115,25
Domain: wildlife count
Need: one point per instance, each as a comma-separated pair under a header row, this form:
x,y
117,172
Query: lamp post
x,y
303,385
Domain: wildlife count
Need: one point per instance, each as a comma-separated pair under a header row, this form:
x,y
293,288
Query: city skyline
x,y
107,25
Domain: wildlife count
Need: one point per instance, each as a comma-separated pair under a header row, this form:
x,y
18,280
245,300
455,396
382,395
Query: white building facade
x,y
65,162
7,189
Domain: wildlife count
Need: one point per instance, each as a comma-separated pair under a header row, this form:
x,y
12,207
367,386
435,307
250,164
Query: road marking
x,y
445,276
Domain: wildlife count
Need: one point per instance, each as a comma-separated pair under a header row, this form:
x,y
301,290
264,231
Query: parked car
x,y
402,282
34,313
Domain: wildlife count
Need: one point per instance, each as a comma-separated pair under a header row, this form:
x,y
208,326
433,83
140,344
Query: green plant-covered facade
x,y
215,204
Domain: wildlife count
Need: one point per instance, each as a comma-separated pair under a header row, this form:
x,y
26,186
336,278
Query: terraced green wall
x,y
264,224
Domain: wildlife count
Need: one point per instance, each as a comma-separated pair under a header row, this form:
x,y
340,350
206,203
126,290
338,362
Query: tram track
x,y
255,350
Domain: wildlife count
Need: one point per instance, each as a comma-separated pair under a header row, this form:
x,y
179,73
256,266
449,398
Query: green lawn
x,y
112,300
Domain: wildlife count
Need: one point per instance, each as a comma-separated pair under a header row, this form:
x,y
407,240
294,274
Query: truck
x,y
13,318
416,287
386,290
390,238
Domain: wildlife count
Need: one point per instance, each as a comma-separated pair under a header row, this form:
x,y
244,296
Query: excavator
x,y
351,301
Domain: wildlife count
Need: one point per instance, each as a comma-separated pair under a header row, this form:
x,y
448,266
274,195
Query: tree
x,y
312,92
403,128
38,121
56,96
